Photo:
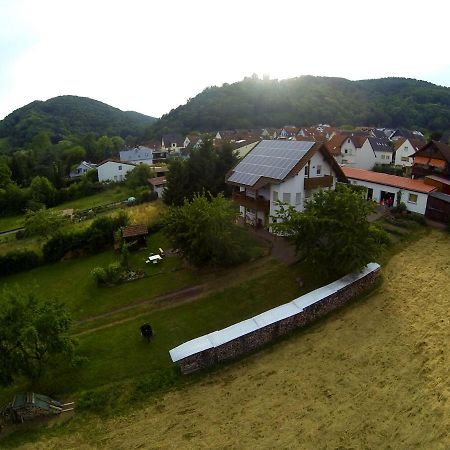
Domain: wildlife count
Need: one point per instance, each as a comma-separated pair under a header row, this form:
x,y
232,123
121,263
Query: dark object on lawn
x,y
147,331
30,406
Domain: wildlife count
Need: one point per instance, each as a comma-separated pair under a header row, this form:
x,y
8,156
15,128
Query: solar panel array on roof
x,y
271,159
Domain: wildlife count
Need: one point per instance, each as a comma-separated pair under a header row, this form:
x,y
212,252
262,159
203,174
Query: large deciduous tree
x,y
204,230
205,170
33,334
332,235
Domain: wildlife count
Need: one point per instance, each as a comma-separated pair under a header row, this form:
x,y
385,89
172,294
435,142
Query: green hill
x,y
69,115
388,102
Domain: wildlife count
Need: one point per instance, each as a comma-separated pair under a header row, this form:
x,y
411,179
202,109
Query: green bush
x,y
99,275
18,261
98,236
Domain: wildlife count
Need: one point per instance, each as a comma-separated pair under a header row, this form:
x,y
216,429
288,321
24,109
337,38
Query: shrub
x,y
99,275
110,275
98,236
18,261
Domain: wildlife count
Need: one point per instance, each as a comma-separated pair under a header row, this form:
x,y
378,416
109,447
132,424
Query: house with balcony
x,y
432,159
281,170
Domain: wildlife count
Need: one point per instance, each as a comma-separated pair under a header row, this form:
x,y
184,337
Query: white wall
x,y
418,207
295,184
349,157
404,151
365,157
113,171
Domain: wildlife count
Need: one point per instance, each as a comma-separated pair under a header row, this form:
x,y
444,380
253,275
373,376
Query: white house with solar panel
x,y
287,171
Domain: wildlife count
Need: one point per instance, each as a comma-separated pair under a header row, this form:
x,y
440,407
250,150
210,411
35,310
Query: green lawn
x,y
118,353
71,281
112,195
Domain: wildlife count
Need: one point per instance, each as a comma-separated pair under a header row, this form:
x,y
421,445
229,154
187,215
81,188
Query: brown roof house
x,y
432,159
281,170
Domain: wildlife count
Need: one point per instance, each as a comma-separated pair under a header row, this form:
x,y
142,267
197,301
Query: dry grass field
x,y
375,375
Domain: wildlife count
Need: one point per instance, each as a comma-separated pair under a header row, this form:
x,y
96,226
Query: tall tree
x,y
204,230
333,234
32,333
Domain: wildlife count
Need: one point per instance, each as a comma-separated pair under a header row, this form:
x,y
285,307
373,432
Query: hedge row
x,y
98,236
17,261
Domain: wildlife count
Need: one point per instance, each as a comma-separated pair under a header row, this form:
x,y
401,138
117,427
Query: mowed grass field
x,y
374,375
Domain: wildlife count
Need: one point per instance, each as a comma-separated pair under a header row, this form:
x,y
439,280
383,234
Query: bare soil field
x,y
374,375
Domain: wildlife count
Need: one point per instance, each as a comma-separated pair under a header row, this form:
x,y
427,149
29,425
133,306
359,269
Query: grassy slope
x,y
372,375
109,196
71,281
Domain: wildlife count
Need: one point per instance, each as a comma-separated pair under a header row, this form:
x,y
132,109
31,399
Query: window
x,y
306,171
412,198
120,167
115,177
275,196
405,158
345,151
319,170
287,197
298,198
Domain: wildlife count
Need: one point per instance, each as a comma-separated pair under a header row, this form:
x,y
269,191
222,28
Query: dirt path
x,y
220,280
374,375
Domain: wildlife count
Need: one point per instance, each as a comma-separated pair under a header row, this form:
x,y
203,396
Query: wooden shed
x,y
438,207
135,235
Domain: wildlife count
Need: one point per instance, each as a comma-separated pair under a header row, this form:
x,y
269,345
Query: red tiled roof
x,y
134,230
157,181
387,180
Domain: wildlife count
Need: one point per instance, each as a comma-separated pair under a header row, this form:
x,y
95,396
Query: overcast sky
x,y
151,56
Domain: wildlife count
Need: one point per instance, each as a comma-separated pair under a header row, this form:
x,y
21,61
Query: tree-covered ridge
x,y
306,100
69,115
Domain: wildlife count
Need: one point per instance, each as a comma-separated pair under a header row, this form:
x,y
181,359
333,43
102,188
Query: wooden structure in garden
x,y
135,235
30,406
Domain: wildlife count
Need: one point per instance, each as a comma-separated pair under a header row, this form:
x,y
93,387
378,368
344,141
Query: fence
x,y
250,334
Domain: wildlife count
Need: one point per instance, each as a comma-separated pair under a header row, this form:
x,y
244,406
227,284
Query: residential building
x,y
384,188
404,149
137,155
158,184
432,159
81,169
113,171
172,142
374,151
281,170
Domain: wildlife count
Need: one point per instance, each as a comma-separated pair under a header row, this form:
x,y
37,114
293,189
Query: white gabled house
x,y
137,155
114,171
281,170
81,169
404,149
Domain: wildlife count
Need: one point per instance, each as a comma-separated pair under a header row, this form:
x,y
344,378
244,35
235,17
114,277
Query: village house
x,y
286,171
384,189
158,184
172,142
113,171
288,131
360,150
404,149
432,159
81,169
137,155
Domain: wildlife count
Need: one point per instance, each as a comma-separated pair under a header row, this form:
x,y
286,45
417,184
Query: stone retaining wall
x,y
248,335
